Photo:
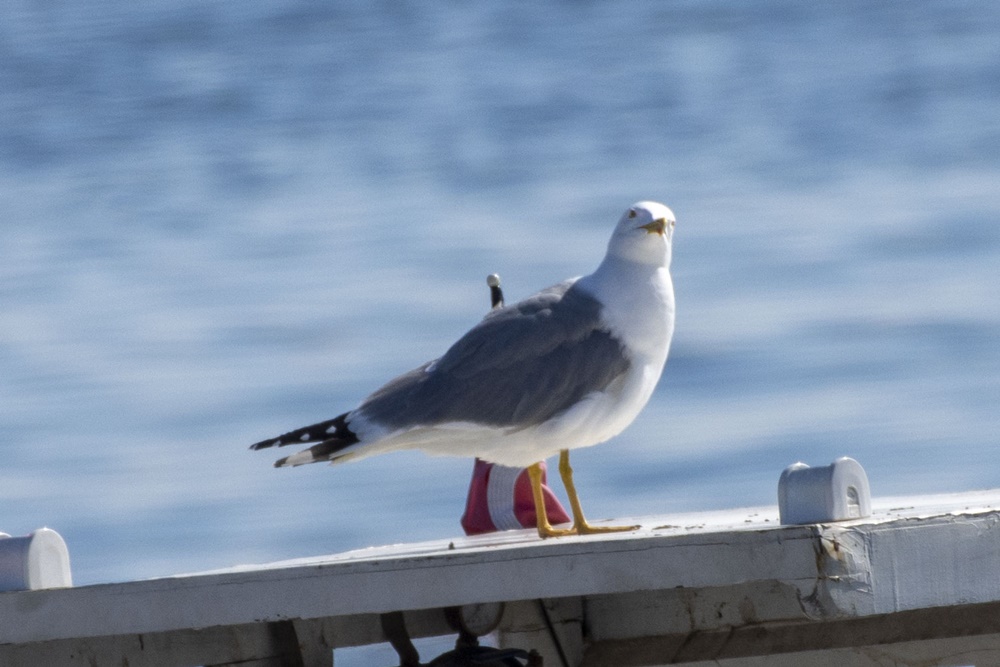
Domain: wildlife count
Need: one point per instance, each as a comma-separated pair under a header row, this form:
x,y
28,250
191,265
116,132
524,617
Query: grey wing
x,y
520,366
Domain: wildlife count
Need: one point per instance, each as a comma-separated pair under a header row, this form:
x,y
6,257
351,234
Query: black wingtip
x,y
264,444
333,430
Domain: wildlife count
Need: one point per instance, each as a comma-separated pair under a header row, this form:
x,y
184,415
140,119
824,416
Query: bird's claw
x,y
582,529
587,529
549,531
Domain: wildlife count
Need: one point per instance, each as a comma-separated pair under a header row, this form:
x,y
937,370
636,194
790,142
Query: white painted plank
x,y
853,569
424,576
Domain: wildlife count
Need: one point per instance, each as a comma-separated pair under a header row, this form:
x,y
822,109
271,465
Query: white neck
x,y
648,251
638,300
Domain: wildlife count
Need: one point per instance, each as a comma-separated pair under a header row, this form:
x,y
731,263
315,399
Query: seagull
x,y
570,366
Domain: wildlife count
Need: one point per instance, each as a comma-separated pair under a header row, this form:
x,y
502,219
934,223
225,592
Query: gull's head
x,y
644,234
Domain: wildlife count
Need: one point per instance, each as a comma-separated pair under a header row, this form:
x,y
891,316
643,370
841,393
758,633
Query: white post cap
x,y
38,560
837,492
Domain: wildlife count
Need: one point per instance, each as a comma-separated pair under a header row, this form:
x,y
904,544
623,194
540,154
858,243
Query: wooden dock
x,y
916,583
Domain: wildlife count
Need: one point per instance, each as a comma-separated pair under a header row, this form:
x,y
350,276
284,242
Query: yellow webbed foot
x,y
587,529
580,525
545,529
548,531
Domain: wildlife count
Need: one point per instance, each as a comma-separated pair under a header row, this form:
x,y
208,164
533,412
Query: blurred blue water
x,y
222,221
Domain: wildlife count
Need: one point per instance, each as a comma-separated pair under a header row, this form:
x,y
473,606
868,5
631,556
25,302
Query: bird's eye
x,y
632,213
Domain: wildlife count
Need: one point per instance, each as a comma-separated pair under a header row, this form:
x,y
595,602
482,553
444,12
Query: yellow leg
x,y
580,525
545,529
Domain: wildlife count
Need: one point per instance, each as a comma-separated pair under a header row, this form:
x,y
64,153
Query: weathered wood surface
x,y
719,585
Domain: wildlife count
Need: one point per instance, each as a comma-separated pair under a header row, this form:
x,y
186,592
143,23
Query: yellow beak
x,y
657,226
